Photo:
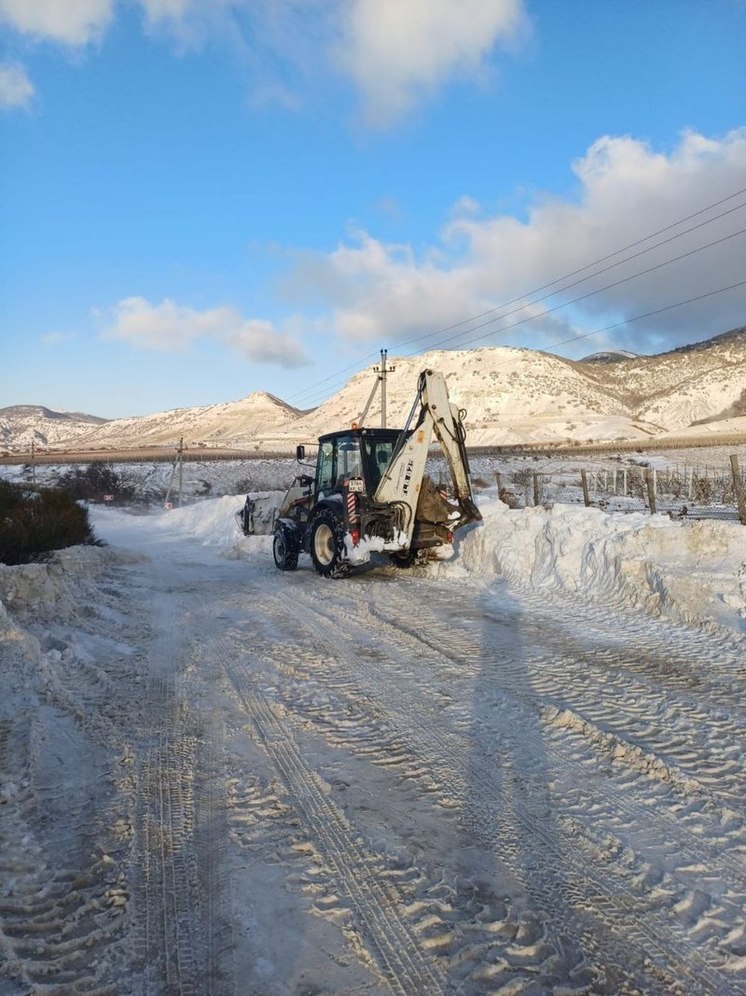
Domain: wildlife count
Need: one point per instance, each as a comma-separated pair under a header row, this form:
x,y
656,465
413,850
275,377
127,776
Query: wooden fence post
x,y
584,480
739,489
536,488
649,480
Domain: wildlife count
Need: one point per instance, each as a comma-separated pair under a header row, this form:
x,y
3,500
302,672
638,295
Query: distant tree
x,y
96,480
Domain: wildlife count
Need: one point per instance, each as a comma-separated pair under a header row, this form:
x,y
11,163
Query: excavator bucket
x,y
469,512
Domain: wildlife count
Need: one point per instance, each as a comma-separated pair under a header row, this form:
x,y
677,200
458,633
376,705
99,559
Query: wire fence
x,y
686,490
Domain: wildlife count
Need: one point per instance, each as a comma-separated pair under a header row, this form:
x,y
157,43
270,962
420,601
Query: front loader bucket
x,y
257,517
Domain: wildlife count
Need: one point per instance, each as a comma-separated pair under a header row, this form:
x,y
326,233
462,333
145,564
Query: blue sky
x,y
204,198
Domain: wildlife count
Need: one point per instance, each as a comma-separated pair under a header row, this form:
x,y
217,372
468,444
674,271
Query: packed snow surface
x,y
520,770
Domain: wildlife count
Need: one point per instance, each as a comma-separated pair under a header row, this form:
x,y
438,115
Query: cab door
x,y
325,468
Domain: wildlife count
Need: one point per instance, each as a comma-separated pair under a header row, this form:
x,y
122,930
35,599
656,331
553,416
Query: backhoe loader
x,y
370,492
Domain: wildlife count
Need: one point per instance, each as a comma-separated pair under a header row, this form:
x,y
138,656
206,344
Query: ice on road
x,y
475,778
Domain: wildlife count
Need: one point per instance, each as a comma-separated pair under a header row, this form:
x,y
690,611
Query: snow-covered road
x,y
217,778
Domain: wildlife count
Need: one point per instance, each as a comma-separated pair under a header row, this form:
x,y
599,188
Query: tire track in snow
x,y
179,836
405,968
56,923
531,947
212,837
603,693
171,900
647,939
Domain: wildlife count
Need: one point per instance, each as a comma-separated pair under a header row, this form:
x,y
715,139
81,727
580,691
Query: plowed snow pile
x,y
691,572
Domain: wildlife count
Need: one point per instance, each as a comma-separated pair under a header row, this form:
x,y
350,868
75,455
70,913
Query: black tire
x,y
328,545
404,558
284,552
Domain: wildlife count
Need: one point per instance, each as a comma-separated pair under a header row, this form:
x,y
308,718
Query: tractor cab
x,y
353,461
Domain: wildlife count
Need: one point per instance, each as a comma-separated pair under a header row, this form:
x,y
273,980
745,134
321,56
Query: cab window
x,y
348,460
378,453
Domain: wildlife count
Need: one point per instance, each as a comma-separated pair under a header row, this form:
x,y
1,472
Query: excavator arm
x,y
402,482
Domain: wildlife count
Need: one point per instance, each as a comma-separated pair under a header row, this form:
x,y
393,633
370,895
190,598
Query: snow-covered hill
x,y
234,423
684,386
520,395
20,425
510,396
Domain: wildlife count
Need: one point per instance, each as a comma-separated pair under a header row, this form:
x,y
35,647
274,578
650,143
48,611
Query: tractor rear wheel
x,y
328,545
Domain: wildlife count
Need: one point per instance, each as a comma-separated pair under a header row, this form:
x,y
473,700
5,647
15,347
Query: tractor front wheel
x,y
328,545
284,552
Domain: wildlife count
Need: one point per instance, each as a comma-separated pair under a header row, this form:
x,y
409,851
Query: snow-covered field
x,y
517,771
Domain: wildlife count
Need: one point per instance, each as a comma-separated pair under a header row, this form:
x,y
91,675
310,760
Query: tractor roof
x,y
360,432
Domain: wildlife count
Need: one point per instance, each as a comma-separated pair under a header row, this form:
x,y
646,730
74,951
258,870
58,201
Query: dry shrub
x,y
35,522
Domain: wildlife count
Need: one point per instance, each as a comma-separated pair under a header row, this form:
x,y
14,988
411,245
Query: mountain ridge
x,y
512,395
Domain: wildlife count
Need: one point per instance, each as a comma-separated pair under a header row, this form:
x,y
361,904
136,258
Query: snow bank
x,y
15,643
689,571
692,572
212,522
54,590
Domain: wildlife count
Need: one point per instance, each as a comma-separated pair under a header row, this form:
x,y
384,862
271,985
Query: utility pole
x,y
382,371
178,463
380,379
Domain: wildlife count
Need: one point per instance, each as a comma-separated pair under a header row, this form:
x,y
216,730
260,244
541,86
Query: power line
x,y
314,389
522,300
335,376
649,314
583,297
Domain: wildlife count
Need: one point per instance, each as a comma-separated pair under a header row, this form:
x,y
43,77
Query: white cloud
x,y
170,327
260,341
16,89
397,53
166,326
384,293
188,22
72,22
